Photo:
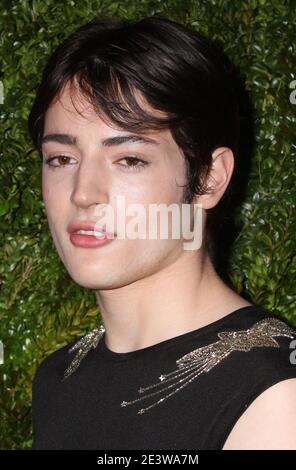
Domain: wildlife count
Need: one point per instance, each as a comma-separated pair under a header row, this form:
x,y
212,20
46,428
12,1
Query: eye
x,y
133,163
63,160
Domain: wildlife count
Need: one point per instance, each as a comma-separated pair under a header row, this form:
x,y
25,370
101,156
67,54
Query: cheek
x,y
46,192
167,187
54,200
46,188
47,195
50,198
162,189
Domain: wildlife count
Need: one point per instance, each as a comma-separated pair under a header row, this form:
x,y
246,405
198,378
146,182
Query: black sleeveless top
x,y
186,392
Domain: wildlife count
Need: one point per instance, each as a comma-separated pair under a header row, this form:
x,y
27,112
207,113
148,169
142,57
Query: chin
x,y
96,281
90,283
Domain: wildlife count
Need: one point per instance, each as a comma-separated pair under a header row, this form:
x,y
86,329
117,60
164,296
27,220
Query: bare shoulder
x,y
269,422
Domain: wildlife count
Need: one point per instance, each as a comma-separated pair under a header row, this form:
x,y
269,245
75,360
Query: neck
x,y
182,297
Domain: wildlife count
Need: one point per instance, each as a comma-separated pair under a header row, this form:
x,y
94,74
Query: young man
x,y
147,111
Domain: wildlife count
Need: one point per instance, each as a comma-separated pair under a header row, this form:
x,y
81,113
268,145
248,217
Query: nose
x,y
91,184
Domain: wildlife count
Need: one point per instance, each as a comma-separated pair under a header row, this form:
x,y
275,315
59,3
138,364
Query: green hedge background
x,y
41,309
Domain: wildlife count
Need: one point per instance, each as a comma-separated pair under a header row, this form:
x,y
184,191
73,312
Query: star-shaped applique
x,y
203,359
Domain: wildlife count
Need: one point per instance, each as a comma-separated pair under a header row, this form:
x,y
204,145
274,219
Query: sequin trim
x,y
84,345
202,360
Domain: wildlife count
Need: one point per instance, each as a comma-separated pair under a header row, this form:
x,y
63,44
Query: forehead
x,y
70,106
71,110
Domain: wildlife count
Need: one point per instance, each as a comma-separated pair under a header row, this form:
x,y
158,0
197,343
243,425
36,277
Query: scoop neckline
x,y
121,356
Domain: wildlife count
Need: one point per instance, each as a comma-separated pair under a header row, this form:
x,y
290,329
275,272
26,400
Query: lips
x,y
74,227
85,240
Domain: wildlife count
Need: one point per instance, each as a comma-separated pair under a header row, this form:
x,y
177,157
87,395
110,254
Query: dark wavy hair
x,y
179,72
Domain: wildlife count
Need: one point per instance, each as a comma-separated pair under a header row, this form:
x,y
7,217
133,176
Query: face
x,y
90,175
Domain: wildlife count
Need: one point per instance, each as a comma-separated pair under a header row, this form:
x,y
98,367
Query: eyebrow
x,y
68,139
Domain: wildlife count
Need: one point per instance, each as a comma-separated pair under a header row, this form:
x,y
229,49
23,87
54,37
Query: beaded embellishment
x,y
91,340
203,359
196,362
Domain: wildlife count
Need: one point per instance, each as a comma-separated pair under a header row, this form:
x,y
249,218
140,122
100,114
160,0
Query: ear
x,y
218,177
